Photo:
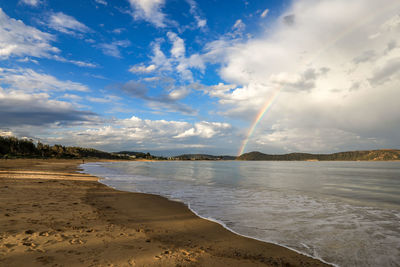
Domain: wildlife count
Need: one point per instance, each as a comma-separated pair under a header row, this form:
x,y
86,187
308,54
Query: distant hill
x,y
370,155
12,147
203,157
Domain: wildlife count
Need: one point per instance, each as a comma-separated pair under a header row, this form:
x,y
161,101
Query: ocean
x,y
344,213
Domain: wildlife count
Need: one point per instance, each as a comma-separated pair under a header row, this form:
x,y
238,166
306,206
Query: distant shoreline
x,y
12,147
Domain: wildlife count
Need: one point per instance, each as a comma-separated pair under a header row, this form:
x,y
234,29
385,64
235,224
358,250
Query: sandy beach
x,y
51,215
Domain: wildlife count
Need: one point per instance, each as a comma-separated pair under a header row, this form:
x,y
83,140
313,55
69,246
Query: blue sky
x,y
190,76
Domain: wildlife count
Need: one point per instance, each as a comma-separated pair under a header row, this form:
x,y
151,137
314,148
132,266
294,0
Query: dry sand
x,y
50,215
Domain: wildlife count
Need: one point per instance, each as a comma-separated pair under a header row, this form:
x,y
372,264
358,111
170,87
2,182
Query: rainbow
x,y
325,47
257,119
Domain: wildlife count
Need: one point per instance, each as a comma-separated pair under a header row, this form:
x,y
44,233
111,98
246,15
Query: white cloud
x,y
27,59
101,2
66,24
264,13
149,10
135,133
178,45
237,29
178,51
331,76
201,22
140,68
31,2
113,49
82,63
177,60
194,10
28,80
118,30
205,129
179,93
239,25
72,97
18,39
159,59
75,62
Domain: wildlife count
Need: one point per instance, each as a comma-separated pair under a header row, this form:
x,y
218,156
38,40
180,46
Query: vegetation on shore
x,y
367,155
12,147
139,155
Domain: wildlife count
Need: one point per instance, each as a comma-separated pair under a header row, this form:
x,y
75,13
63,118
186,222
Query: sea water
x,y
345,213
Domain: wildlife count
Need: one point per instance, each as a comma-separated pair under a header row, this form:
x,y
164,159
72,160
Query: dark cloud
x,y
135,89
390,46
365,56
34,112
162,101
383,74
304,82
289,19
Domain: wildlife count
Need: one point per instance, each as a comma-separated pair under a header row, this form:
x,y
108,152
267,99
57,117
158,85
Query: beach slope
x,y
50,215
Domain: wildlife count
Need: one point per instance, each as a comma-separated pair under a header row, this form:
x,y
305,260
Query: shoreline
x,y
214,220
121,228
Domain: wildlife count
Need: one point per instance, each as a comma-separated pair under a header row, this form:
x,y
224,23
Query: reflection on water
x,y
347,213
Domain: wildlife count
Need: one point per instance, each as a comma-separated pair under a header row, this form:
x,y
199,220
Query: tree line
x,y
12,147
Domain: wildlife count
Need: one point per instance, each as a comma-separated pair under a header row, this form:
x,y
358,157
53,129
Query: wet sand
x,y
50,215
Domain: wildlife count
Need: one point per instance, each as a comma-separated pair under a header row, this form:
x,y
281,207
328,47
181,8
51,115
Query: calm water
x,y
347,213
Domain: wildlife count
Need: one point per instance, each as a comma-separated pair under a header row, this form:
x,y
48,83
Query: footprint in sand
x,y
76,242
131,262
44,234
9,246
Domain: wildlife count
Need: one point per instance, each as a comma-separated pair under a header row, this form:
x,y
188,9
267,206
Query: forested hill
x,y
12,147
384,154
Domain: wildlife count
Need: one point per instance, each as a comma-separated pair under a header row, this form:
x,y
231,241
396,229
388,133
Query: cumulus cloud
x,y
66,24
149,10
205,129
135,133
175,61
178,45
321,72
159,59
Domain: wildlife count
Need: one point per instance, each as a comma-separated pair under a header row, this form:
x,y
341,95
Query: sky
x,y
191,76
